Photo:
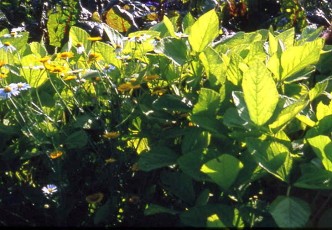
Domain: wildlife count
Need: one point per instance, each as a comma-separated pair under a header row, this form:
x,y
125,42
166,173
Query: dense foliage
x,y
170,113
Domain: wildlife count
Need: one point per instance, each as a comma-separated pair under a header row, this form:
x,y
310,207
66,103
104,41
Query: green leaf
x,y
223,170
313,177
115,38
318,89
325,220
169,26
190,163
205,110
174,49
208,102
213,221
297,58
38,49
152,209
172,103
157,157
260,93
323,127
322,147
180,185
287,114
78,35
271,155
187,22
35,77
290,212
76,140
214,66
203,198
234,73
107,52
204,31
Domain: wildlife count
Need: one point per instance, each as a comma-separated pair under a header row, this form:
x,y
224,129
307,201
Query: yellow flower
x,y
158,91
94,39
2,63
150,77
44,59
127,86
94,198
94,57
56,154
65,55
110,160
135,167
3,75
55,68
69,77
111,135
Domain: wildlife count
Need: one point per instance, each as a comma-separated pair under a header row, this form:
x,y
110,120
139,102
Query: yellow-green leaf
x,y
203,31
260,93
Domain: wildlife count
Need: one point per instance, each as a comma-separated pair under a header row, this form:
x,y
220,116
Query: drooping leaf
x,y
153,209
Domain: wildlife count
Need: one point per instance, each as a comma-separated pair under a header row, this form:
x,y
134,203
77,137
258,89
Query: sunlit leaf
x,y
204,30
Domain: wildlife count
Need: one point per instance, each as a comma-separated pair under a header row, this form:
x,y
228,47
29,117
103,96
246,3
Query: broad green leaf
x,y
204,31
290,212
195,140
320,144
174,49
287,114
205,110
108,53
214,66
271,155
38,49
297,58
223,170
55,29
78,35
76,140
152,209
286,38
314,178
34,76
260,93
179,184
190,163
115,38
157,157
